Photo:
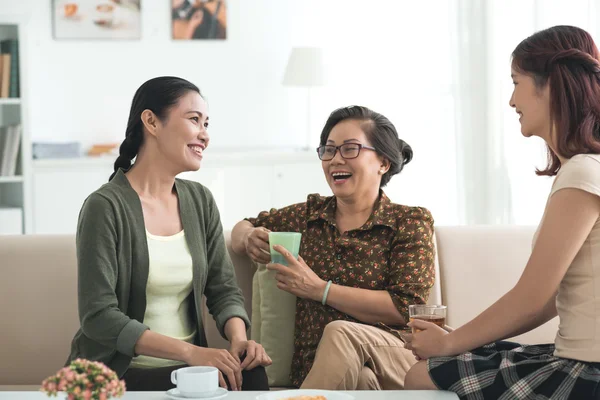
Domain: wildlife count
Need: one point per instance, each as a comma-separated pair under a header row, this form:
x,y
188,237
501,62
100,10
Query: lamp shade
x,y
305,67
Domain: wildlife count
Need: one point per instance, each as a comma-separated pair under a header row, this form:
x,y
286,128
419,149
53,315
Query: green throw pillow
x,y
273,319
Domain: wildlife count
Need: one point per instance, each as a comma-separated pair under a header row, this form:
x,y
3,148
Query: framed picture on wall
x,y
96,19
199,19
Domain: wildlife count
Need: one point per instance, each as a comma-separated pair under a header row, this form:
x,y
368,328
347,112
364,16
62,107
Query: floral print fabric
x,y
392,251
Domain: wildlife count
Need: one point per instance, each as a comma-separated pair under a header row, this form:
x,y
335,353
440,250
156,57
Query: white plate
x,y
175,395
284,394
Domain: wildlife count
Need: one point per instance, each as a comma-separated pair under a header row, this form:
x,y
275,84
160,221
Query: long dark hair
x,y
567,58
381,133
157,95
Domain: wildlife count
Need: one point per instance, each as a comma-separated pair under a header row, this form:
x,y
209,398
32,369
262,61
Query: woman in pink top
x,y
556,76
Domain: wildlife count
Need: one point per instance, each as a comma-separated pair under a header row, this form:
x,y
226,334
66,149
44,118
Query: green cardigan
x,y
112,263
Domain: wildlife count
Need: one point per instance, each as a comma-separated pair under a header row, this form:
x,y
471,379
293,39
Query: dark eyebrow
x,y
345,141
513,75
196,112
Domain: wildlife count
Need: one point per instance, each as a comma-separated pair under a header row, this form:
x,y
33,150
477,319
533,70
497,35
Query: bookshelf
x,y
7,179
9,101
15,148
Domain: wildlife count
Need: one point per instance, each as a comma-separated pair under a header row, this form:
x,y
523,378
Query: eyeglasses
x,y
348,151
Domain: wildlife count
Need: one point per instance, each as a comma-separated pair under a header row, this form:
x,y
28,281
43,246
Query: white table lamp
x,y
305,69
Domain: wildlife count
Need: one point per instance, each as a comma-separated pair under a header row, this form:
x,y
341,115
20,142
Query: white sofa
x,y
38,292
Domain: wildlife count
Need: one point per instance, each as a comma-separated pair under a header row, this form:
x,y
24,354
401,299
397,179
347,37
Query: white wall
x,y
394,57
82,90
523,194
400,58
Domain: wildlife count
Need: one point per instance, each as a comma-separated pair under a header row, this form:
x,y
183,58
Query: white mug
x,y
196,381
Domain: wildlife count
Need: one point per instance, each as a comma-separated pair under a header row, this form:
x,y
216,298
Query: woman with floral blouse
x,y
363,259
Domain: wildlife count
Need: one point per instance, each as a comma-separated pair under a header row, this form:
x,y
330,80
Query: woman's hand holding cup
x,y
257,245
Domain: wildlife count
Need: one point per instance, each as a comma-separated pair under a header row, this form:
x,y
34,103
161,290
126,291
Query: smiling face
x,y
352,178
182,136
532,103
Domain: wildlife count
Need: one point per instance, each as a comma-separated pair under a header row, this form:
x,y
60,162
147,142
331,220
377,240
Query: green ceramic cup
x,y
289,240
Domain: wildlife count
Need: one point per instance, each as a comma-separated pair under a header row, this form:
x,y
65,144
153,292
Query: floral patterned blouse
x,y
392,251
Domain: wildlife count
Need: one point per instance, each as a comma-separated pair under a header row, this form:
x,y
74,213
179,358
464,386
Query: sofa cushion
x,y
39,306
479,265
273,321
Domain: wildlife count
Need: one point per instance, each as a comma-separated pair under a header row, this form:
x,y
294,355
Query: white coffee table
x,y
359,395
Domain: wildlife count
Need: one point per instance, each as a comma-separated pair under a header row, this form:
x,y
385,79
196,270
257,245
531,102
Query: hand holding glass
x,y
435,314
289,240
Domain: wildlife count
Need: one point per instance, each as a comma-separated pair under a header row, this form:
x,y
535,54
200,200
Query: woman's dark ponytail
x,y
127,152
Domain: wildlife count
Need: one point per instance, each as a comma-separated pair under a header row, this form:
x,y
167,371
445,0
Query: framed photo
x,y
199,19
96,19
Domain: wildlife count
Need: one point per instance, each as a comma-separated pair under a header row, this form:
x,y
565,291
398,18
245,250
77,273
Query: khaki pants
x,y
355,356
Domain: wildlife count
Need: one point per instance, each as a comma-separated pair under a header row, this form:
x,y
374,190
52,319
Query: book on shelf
x,y
10,139
9,68
5,77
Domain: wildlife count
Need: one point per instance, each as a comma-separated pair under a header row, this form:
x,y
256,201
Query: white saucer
x,y
218,394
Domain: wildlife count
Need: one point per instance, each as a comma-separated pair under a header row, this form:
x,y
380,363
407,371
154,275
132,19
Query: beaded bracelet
x,y
324,301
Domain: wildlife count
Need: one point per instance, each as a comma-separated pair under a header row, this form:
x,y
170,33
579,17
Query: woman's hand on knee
x,y
223,360
253,353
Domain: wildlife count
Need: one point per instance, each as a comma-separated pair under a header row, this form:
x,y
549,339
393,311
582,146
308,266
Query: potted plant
x,y
84,380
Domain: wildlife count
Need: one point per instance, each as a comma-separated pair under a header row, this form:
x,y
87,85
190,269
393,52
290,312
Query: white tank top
x,y
168,294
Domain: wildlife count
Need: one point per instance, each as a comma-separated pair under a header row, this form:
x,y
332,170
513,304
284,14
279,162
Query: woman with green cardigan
x,y
149,246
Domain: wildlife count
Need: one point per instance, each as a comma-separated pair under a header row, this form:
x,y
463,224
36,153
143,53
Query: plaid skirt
x,y
506,370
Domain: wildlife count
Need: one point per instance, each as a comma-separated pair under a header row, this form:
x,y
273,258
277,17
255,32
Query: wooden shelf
x,y
10,100
11,179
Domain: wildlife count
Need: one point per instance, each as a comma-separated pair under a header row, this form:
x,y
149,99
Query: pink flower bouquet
x,y
84,380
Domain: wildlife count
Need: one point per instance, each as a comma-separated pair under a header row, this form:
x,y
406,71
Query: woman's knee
x,y
255,379
335,329
367,380
418,378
